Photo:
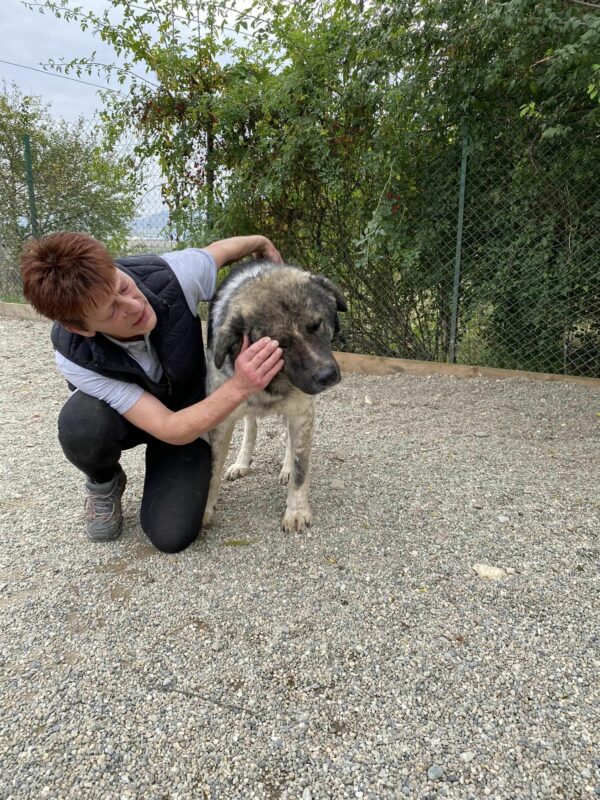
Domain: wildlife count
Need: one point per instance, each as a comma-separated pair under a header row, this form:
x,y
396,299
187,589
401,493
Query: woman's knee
x,y
171,539
87,425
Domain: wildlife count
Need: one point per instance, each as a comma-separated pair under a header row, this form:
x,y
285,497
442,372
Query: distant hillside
x,y
151,224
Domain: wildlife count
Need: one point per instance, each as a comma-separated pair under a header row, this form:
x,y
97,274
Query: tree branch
x,y
594,6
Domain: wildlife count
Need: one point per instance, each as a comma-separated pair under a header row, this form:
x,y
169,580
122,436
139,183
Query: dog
x,y
299,310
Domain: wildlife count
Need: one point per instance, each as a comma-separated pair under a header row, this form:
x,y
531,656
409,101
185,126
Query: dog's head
x,y
298,309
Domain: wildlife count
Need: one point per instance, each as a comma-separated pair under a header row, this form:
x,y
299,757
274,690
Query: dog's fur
x,y
299,310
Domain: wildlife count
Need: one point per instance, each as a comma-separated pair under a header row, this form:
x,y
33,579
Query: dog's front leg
x,y
220,439
286,467
297,513
241,467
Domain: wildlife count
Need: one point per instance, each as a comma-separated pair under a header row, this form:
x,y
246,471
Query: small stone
x,y
307,794
435,772
489,572
368,400
467,756
336,483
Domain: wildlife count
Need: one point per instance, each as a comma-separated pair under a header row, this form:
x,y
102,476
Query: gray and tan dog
x,y
300,311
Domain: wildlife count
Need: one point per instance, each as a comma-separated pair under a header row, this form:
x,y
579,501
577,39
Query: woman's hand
x,y
257,365
269,252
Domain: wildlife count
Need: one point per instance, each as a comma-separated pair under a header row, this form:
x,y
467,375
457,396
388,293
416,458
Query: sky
x,y
31,39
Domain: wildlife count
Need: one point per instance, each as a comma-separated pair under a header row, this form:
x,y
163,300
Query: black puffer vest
x,y
177,338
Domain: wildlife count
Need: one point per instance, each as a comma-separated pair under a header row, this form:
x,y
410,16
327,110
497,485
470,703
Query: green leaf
x,y
238,542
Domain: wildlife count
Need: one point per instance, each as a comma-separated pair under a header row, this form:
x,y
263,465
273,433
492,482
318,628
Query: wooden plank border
x,y
19,311
378,365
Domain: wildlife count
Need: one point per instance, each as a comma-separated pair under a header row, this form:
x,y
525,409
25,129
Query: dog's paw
x,y
207,519
296,521
284,476
236,471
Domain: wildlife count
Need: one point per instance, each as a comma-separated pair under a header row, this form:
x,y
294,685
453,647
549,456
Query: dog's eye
x,y
314,327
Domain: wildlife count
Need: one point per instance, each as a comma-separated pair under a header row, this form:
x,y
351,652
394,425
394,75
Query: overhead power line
x,y
228,8
57,75
175,16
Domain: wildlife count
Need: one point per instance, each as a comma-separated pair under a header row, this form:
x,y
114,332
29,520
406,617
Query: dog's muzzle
x,y
326,377
321,379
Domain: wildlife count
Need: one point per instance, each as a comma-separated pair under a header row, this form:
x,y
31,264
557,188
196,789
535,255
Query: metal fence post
x,y
29,174
459,234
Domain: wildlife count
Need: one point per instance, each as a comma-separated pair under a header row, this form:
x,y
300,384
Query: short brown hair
x,y
66,275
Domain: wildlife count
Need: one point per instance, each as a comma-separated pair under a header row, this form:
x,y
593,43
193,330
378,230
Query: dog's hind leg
x,y
220,439
298,515
241,466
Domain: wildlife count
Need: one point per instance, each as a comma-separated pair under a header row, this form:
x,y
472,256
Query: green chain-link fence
x,y
485,256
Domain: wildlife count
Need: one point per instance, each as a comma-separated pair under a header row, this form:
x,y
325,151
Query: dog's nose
x,y
326,376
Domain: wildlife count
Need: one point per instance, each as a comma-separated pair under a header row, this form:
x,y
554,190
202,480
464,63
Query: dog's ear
x,y
331,288
228,340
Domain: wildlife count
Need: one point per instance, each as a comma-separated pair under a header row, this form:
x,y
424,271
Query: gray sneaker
x,y
104,518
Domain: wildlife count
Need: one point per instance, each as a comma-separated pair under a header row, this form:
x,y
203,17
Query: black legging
x,y
93,435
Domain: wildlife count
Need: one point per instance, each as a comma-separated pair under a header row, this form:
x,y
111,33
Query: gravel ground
x,y
366,659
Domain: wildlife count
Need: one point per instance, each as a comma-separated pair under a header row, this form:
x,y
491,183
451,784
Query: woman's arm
x,y
227,251
255,368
